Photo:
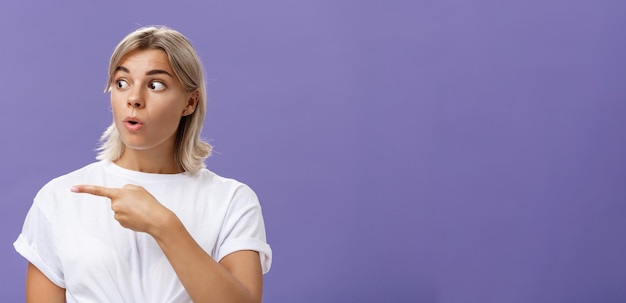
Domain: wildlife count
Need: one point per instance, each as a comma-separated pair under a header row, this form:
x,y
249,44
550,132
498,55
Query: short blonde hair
x,y
190,150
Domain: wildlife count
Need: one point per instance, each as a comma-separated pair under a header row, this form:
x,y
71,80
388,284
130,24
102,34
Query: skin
x,y
145,87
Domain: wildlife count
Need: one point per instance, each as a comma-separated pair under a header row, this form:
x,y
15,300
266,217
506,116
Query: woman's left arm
x,y
237,277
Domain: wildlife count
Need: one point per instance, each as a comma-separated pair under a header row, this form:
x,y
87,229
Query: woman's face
x,y
148,101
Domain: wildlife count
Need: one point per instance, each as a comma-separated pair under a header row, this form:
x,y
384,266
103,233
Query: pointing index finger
x,y
95,190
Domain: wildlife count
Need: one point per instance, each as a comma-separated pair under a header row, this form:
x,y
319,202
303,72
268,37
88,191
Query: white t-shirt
x,y
74,240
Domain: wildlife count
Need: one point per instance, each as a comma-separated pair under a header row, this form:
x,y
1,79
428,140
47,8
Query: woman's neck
x,y
149,162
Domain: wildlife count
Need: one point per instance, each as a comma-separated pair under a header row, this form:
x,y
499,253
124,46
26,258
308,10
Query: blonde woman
x,y
147,222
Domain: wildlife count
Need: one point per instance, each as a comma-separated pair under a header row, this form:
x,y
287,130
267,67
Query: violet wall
x,y
403,151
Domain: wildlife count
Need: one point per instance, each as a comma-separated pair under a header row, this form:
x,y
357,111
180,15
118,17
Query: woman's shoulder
x,y
77,175
56,193
227,184
208,175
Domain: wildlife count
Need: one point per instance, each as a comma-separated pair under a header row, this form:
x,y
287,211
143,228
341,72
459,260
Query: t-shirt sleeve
x,y
36,244
244,228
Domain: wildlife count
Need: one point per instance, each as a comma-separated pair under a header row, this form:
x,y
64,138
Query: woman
x,y
148,222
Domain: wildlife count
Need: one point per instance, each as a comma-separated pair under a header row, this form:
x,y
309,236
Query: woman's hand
x,y
134,207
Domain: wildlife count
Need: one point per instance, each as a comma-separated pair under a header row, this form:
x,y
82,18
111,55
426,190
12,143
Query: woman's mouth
x,y
133,124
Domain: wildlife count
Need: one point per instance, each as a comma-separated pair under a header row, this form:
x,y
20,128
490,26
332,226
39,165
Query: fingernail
x,y
74,189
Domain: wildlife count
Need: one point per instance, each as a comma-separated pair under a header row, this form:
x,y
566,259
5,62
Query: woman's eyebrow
x,y
121,68
148,73
158,71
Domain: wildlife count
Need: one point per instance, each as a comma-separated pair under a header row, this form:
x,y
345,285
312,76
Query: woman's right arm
x,y
40,289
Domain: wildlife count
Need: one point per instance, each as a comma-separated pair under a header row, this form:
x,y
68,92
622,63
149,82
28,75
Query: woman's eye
x,y
122,84
156,85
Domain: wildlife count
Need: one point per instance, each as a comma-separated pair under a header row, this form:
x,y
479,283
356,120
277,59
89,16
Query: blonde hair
x,y
190,150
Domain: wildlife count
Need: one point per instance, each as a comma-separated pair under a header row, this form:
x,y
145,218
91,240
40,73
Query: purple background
x,y
403,151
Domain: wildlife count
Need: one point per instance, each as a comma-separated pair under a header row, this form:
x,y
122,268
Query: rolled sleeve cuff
x,y
24,248
265,251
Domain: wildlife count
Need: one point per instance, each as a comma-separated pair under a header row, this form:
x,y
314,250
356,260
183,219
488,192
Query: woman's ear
x,y
192,102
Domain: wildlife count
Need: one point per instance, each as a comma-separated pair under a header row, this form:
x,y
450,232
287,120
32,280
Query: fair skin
x,y
148,102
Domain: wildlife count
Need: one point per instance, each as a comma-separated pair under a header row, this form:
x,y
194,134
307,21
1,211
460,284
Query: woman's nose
x,y
135,100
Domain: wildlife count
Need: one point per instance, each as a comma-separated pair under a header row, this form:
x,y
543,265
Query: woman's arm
x,y
40,289
237,278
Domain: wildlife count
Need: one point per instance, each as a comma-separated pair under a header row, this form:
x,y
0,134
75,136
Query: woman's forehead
x,y
145,59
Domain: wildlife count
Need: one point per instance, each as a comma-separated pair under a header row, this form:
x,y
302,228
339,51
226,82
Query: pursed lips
x,y
133,123
133,120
